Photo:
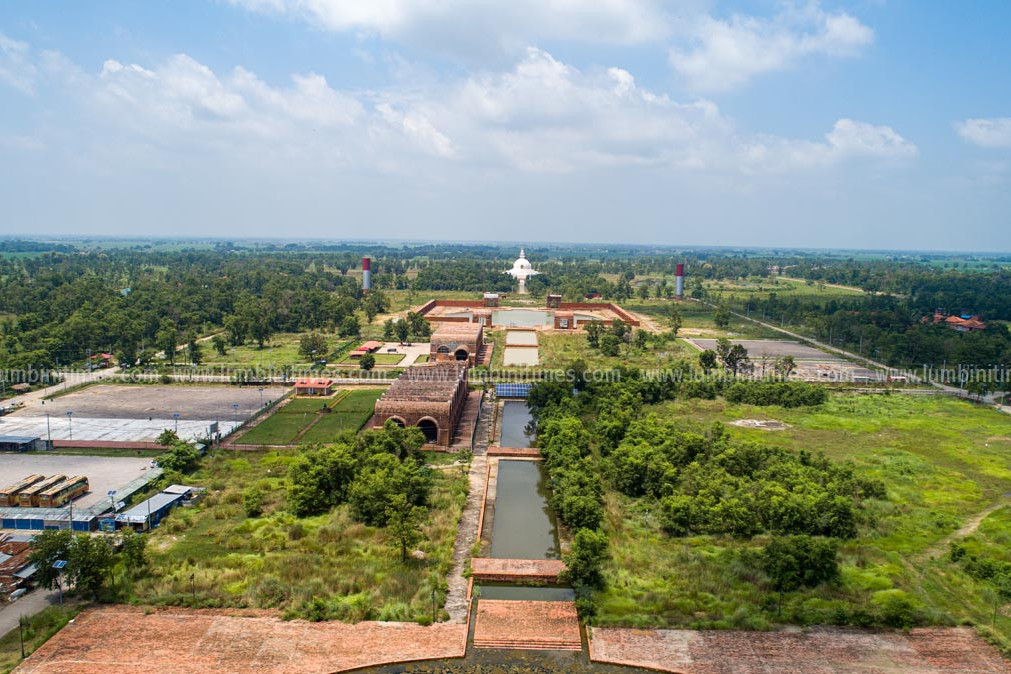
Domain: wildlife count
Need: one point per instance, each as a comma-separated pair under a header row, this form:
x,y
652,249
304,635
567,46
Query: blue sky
x,y
869,124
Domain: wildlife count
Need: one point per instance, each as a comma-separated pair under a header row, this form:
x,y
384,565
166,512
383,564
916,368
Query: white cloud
x,y
476,26
16,67
990,133
728,53
541,115
848,139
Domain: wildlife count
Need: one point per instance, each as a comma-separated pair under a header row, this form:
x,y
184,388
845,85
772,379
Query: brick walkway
x,y
516,570
536,625
817,651
121,639
522,452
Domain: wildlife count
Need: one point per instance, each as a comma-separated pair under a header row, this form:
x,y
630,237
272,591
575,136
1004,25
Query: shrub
x,y
252,502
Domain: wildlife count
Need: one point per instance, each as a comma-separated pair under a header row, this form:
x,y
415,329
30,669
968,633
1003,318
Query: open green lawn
x,y
943,461
381,359
281,350
558,350
277,561
350,409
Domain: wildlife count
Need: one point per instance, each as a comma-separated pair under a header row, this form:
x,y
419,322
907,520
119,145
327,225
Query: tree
x,y
380,480
48,546
784,366
167,438
610,345
133,549
674,318
593,332
349,327
641,339
193,350
367,362
312,346
799,561
88,562
721,317
167,339
219,344
707,360
585,560
733,356
402,329
403,521
320,479
182,457
643,292
389,330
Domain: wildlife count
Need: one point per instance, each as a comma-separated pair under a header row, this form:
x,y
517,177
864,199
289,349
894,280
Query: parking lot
x,y
103,473
113,413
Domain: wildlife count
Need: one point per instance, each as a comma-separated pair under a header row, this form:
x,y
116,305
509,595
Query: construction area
x,y
109,413
811,364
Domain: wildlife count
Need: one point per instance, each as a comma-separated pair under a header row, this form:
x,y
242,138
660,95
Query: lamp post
x,y
70,423
175,415
235,407
261,395
21,634
112,501
58,565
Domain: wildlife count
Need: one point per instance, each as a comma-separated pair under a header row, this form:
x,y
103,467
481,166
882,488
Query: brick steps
x,y
539,645
527,625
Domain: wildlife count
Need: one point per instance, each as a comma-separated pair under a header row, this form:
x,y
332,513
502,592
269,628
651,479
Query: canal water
x,y
524,525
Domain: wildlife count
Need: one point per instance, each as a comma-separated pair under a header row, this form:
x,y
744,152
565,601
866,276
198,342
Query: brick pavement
x,y
120,639
516,570
816,651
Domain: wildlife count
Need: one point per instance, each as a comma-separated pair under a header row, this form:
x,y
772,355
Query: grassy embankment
x,y
278,561
349,409
943,462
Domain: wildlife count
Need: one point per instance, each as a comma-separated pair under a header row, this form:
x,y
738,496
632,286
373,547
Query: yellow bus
x,y
60,494
29,498
9,495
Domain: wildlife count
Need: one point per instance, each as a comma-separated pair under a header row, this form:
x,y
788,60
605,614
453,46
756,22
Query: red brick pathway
x,y
120,639
524,452
533,625
516,570
816,651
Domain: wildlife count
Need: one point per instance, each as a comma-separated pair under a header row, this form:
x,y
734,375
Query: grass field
x,y
381,359
38,629
349,409
277,561
943,462
558,350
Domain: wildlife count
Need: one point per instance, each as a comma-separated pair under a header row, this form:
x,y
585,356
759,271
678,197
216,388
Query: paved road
x,y
28,605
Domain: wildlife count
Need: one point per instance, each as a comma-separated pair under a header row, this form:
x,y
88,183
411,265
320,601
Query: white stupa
x,y
521,271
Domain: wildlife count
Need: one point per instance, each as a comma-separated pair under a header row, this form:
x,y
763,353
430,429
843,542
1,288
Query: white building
x,y
521,271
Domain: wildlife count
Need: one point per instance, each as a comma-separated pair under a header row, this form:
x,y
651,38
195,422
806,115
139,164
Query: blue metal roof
x,y
139,512
19,439
512,390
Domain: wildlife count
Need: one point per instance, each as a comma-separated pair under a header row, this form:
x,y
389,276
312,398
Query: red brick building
x,y
430,397
457,342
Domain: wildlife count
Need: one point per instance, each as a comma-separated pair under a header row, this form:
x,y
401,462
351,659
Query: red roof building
x,y
964,323
313,386
367,347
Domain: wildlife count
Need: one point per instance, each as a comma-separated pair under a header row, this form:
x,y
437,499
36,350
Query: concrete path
x,y
457,601
28,605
